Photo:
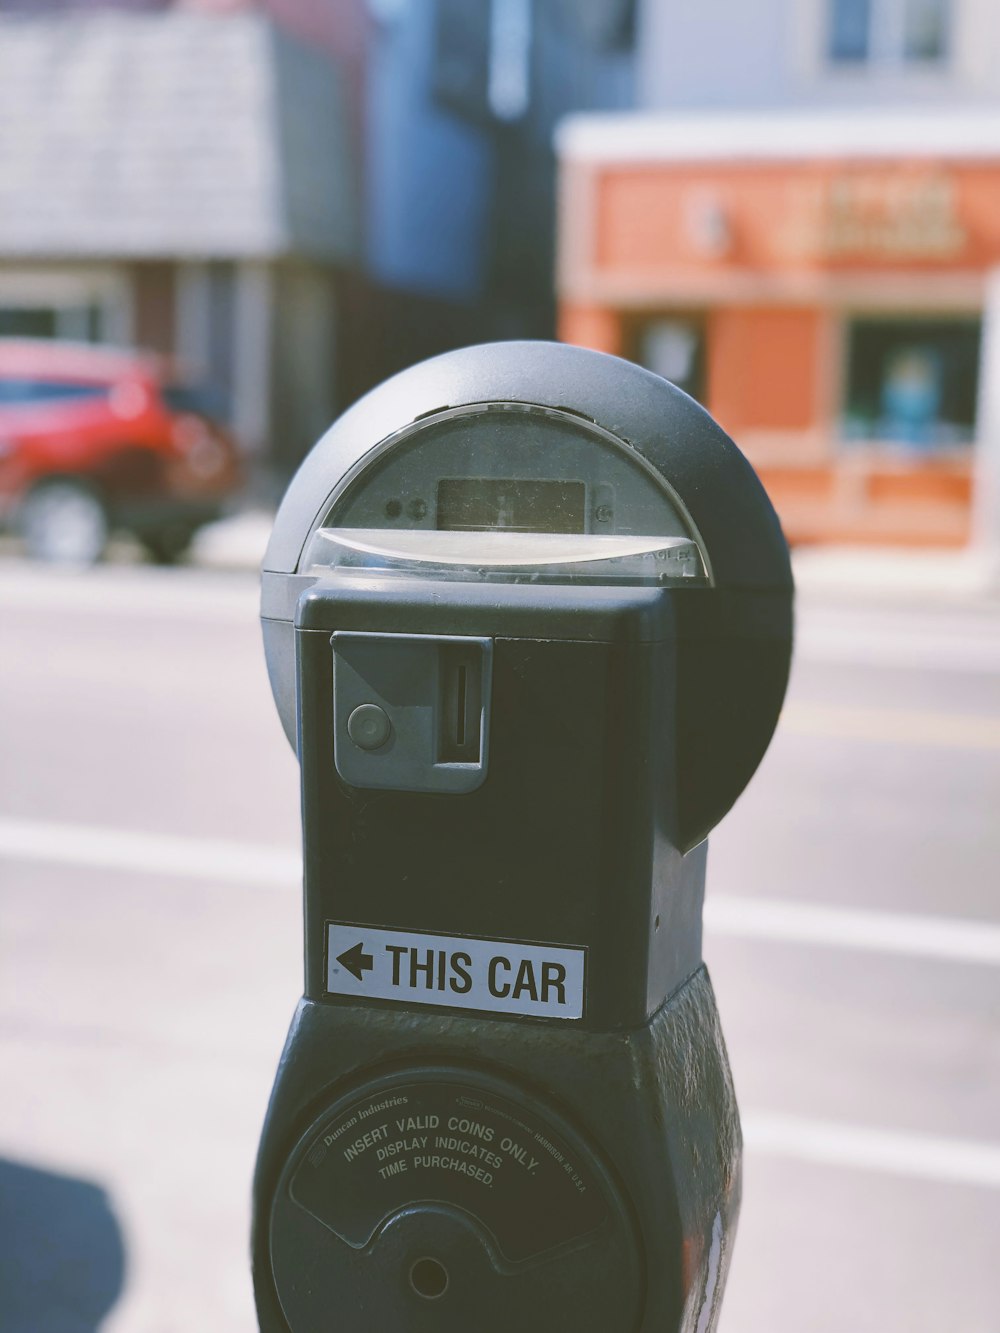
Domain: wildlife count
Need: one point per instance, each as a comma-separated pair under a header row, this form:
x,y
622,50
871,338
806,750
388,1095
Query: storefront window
x,y
912,382
675,349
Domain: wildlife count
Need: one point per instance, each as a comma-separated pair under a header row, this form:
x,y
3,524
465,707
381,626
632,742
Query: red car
x,y
94,439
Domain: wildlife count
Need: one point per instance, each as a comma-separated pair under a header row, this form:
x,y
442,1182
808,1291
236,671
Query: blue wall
x,y
429,174
459,204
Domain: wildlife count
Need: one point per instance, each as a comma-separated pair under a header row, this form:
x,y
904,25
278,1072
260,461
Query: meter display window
x,y
517,505
509,492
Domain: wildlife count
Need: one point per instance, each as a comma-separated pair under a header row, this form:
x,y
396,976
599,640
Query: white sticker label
x,y
502,976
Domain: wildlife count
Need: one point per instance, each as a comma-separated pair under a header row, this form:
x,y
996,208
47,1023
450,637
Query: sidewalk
x,y
238,542
821,572
916,575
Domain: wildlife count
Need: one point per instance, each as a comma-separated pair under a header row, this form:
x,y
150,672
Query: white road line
x,y
255,866
209,859
830,1143
953,938
167,594
925,1157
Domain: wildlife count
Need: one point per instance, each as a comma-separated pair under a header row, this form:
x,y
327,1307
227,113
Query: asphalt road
x,y
151,960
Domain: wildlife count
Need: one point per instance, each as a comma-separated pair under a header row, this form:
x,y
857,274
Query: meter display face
x,y
509,491
514,504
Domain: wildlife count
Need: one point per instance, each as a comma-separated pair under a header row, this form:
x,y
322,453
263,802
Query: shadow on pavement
x,y
62,1256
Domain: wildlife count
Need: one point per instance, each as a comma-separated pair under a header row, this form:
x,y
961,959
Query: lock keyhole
x,y
429,1279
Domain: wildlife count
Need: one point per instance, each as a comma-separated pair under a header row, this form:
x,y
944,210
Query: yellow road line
x,y
963,731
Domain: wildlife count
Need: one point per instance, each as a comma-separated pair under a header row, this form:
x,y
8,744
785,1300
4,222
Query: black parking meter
x,y
527,616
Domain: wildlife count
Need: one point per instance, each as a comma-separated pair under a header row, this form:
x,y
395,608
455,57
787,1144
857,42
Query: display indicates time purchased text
x,y
459,972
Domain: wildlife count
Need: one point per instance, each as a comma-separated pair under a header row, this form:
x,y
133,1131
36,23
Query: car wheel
x,y
64,522
165,546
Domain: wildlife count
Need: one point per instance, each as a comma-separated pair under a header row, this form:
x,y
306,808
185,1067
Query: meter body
x,y
527,615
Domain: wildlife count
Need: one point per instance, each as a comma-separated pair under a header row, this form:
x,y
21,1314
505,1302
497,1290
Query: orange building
x,y
817,280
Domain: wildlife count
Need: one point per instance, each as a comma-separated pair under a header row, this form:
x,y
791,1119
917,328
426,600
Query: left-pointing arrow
x,y
356,960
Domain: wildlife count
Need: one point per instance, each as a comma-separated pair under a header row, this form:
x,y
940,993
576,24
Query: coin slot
x,y
463,672
429,1279
461,703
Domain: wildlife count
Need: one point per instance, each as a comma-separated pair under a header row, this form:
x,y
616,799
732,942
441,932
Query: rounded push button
x,y
369,726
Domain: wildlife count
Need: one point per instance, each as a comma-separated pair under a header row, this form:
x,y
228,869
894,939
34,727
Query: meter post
x,y
527,618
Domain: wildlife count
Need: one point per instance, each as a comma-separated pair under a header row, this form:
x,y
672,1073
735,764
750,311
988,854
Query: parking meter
x,y
527,618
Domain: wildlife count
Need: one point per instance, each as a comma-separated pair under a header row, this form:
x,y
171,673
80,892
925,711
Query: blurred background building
x,y
294,197
799,228
161,185
789,208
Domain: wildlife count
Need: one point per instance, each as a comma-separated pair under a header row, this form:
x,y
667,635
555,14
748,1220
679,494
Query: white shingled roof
x,y
160,136
773,135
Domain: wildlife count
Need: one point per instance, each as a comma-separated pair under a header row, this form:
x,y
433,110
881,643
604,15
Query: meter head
x,y
512,492
537,463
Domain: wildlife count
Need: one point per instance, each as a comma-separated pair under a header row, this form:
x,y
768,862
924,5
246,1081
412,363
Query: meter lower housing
x,y
430,1165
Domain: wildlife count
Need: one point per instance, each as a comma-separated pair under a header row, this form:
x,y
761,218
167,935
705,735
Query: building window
x,y
82,323
81,303
888,32
510,58
28,393
912,382
461,74
482,57
675,349
602,25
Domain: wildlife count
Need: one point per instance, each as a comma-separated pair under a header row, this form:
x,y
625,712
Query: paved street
x,y
151,959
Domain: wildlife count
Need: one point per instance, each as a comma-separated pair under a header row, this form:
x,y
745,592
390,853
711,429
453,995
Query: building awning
x,y
169,136
633,137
